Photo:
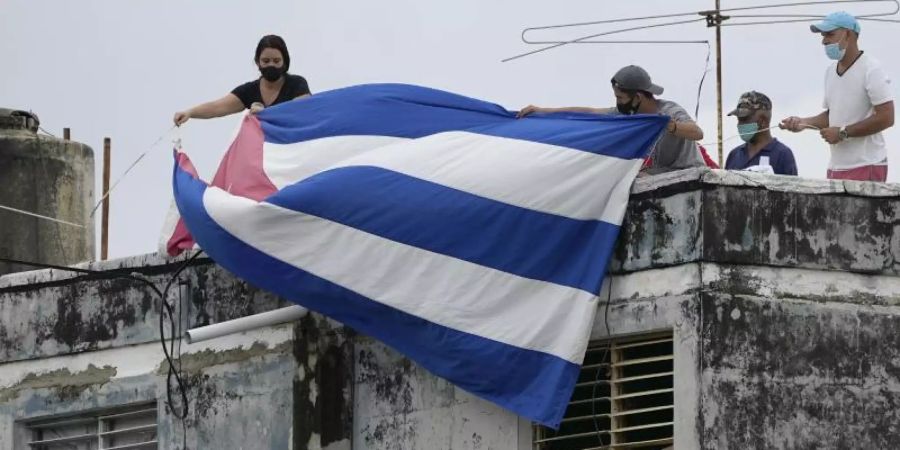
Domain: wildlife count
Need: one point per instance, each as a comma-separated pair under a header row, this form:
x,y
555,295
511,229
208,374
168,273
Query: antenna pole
x,y
714,18
719,83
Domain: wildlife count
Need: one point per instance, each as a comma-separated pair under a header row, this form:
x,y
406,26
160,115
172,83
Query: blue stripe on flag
x,y
407,111
533,384
434,217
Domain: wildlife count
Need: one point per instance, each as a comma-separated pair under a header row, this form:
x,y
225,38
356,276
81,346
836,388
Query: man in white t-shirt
x,y
859,104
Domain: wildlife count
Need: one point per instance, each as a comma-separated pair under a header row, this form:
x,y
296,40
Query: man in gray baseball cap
x,y
635,78
636,93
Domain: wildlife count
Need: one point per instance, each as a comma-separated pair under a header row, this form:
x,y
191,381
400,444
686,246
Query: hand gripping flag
x,y
471,241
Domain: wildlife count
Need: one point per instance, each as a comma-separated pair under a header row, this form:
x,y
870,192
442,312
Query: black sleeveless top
x,y
293,87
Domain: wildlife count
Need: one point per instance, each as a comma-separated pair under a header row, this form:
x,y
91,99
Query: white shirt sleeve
x,y
878,85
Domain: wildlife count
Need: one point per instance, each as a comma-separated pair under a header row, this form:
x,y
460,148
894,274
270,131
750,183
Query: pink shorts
x,y
864,173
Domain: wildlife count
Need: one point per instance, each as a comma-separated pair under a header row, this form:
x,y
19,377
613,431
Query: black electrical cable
x,y
178,356
606,351
47,132
702,79
50,266
165,308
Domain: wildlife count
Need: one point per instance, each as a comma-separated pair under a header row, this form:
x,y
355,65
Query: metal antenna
x,y
713,18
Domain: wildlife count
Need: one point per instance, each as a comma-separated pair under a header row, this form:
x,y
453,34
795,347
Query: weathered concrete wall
x,y
399,405
239,387
784,300
813,258
804,370
240,390
73,343
772,358
747,218
323,386
793,374
50,313
783,297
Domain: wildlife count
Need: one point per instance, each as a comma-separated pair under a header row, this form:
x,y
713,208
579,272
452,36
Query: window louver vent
x,y
624,398
133,428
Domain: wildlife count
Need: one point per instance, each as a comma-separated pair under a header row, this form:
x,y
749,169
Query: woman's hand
x,y
181,117
256,107
530,109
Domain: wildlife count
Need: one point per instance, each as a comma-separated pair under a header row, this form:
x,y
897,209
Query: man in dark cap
x,y
760,150
636,94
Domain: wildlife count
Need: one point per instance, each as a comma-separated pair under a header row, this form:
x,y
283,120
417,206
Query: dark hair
x,y
276,42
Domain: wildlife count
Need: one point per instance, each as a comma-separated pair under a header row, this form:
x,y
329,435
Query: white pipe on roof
x,y
248,323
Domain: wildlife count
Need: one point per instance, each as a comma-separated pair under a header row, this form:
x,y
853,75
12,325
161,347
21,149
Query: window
x,y
130,428
624,398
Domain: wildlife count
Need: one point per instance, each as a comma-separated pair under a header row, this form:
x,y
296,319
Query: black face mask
x,y
271,73
628,108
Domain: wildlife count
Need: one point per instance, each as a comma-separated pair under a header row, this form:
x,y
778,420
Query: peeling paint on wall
x,y
64,383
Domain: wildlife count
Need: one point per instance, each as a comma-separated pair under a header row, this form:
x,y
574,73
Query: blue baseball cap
x,y
834,21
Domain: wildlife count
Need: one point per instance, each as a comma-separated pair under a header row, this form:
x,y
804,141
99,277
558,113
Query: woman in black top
x,y
273,87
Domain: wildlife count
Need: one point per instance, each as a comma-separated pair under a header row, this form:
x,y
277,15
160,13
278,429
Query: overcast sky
x,y
123,68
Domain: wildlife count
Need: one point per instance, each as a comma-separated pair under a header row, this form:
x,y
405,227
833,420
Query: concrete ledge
x,y
749,218
779,183
150,263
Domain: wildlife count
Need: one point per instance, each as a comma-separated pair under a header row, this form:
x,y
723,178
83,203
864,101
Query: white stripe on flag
x,y
444,290
286,164
532,175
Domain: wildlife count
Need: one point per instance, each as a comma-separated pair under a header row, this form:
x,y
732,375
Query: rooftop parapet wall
x,y
50,312
748,218
673,219
782,295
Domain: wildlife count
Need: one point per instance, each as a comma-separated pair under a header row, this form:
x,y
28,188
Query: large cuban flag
x,y
469,240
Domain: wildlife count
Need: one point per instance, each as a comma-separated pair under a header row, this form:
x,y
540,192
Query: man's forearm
x,y
580,109
819,121
688,130
871,125
882,119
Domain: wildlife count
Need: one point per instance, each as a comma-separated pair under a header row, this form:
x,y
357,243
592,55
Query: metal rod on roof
x,y
592,36
104,221
622,42
243,324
